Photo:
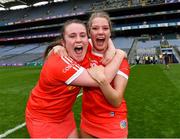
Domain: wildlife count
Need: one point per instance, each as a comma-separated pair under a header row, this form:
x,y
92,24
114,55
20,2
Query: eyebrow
x,y
99,25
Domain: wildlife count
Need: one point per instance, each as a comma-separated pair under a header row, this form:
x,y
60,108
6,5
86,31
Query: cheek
x,y
85,41
92,34
108,34
69,45
69,48
68,41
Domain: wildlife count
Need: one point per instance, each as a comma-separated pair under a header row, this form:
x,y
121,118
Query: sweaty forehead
x,y
75,28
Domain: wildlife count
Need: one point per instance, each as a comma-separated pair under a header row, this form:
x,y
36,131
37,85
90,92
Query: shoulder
x,y
124,63
124,68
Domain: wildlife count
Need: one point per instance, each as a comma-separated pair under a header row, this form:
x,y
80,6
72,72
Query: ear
x,y
61,42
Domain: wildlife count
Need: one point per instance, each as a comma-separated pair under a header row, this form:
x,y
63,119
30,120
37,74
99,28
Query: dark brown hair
x,y
67,23
50,47
59,40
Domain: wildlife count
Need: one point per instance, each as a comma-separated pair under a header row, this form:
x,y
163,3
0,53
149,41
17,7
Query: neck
x,y
99,51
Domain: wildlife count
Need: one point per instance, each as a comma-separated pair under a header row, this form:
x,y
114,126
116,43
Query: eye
x,y
83,35
94,28
106,28
72,36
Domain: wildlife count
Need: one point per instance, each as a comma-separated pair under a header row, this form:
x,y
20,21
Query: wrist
x,y
103,82
121,53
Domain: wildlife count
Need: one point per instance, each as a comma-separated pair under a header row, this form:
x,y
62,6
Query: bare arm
x,y
114,95
109,54
111,61
60,50
110,72
85,79
112,67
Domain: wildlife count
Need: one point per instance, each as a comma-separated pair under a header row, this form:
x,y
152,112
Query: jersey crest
x,y
93,62
70,87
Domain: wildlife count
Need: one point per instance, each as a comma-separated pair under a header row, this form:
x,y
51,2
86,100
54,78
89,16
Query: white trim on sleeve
x,y
74,76
122,74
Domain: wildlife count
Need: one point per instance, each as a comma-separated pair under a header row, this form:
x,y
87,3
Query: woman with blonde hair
x,y
49,108
104,110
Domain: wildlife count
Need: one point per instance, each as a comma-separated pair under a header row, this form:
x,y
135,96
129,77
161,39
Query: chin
x,y
79,59
100,48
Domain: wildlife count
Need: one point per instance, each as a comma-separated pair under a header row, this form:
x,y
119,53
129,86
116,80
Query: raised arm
x,y
109,54
114,95
113,66
110,71
84,79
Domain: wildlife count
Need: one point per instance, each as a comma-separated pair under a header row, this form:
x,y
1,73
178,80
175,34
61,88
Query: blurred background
x,y
145,29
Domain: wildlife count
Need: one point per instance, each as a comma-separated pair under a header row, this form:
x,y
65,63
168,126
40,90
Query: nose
x,y
78,39
100,31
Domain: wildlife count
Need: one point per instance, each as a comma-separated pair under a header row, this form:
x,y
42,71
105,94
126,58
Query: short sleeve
x,y
124,69
61,68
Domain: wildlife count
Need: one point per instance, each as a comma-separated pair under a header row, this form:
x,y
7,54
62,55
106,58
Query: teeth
x,y
100,37
78,46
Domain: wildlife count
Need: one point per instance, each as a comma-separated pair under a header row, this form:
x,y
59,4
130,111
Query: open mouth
x,y
78,49
100,41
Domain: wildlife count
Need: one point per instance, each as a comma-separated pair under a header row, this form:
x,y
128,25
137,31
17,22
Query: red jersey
x,y
95,107
52,98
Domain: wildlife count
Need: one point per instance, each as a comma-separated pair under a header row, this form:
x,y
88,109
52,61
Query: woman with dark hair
x,y
49,107
104,110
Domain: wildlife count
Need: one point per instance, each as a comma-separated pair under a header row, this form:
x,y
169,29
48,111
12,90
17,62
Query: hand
x,y
110,53
97,73
121,53
108,56
60,50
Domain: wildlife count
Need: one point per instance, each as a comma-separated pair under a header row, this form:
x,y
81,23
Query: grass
x,y
15,85
152,95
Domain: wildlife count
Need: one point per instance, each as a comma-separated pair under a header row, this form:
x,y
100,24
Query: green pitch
x,y
153,99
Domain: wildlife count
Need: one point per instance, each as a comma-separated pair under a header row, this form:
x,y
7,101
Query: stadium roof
x,y
18,4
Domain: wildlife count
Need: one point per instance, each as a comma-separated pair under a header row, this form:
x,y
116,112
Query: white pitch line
x,y
19,126
79,95
12,130
23,124
132,66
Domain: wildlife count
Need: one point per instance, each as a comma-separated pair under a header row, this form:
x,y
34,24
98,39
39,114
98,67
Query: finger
x,y
50,52
125,55
56,50
64,53
91,73
106,61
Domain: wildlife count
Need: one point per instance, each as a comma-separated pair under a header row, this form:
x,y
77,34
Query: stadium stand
x,y
23,31
22,54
